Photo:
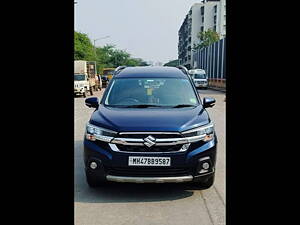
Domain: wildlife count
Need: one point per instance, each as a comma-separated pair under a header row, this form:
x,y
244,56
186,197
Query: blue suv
x,y
150,127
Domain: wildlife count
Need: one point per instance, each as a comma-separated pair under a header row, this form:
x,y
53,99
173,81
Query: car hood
x,y
149,119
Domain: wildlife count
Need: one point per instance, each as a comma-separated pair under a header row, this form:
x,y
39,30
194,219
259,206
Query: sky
x,y
146,29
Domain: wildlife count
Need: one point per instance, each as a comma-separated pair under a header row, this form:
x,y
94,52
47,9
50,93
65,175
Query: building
x,y
201,17
221,19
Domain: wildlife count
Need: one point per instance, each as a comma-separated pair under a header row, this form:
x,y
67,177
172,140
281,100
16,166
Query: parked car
x,y
199,77
150,127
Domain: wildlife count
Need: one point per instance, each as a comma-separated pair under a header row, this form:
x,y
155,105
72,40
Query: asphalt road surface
x,y
150,204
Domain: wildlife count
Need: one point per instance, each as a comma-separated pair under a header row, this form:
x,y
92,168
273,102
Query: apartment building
x,y
201,17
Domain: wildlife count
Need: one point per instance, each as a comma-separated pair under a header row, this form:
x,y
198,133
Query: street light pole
x,y
96,53
97,40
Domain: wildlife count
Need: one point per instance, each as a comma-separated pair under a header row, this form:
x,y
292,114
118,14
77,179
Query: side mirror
x,y
92,102
208,102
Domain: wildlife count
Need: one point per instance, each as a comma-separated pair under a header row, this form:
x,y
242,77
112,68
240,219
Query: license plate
x,y
149,161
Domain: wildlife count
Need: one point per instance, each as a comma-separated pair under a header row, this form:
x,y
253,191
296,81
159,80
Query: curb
x,y
218,89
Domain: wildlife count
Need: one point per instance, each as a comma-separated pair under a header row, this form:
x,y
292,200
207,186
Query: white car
x,y
199,77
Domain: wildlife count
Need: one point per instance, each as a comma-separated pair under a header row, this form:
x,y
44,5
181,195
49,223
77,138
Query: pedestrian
x,y
99,82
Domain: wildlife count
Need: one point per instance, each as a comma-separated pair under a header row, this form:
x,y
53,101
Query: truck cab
x,y
199,77
81,84
107,74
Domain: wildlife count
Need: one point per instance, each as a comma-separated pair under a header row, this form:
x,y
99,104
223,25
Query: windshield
x,y
154,92
199,76
106,72
78,77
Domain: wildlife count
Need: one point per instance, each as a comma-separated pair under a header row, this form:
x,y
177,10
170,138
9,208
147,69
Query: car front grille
x,y
155,135
131,148
137,142
147,172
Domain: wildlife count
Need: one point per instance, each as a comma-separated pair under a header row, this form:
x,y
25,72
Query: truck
x,y
107,74
84,77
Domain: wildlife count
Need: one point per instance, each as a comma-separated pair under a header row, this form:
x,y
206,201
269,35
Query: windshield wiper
x,y
141,106
183,105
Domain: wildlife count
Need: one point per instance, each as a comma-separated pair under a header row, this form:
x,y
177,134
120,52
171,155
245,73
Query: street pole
x,y
97,40
95,47
75,13
96,52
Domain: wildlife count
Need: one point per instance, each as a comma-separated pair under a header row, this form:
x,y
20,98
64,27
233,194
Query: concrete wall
x,y
220,83
213,60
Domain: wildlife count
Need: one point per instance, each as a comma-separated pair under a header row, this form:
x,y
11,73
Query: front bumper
x,y
149,179
78,91
201,85
114,165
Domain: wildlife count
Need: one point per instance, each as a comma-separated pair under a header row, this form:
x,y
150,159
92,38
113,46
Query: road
x,y
150,204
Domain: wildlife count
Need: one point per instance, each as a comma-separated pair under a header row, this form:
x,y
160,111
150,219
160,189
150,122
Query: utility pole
x,y
75,16
97,40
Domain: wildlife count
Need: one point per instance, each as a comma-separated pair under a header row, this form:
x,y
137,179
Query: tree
x,y
83,48
138,62
173,63
105,57
206,38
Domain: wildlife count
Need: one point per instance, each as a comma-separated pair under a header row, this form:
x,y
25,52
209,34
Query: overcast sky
x,y
147,29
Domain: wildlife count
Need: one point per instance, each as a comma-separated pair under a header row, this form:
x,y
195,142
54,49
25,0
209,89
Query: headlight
x,y
98,133
205,133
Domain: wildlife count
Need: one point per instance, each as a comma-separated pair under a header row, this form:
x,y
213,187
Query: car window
x,y
162,92
199,76
79,77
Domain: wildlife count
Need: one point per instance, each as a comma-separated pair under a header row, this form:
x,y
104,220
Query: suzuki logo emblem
x,y
149,141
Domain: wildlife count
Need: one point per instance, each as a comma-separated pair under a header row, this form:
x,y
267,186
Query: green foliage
x,y
206,38
105,57
83,48
173,63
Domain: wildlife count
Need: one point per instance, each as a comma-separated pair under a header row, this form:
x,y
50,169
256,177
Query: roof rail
x,y
183,69
118,69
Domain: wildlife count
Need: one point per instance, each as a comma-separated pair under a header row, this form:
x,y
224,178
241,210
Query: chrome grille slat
x,y
123,142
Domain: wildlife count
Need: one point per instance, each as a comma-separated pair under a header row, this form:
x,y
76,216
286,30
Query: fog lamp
x,y
205,165
93,165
